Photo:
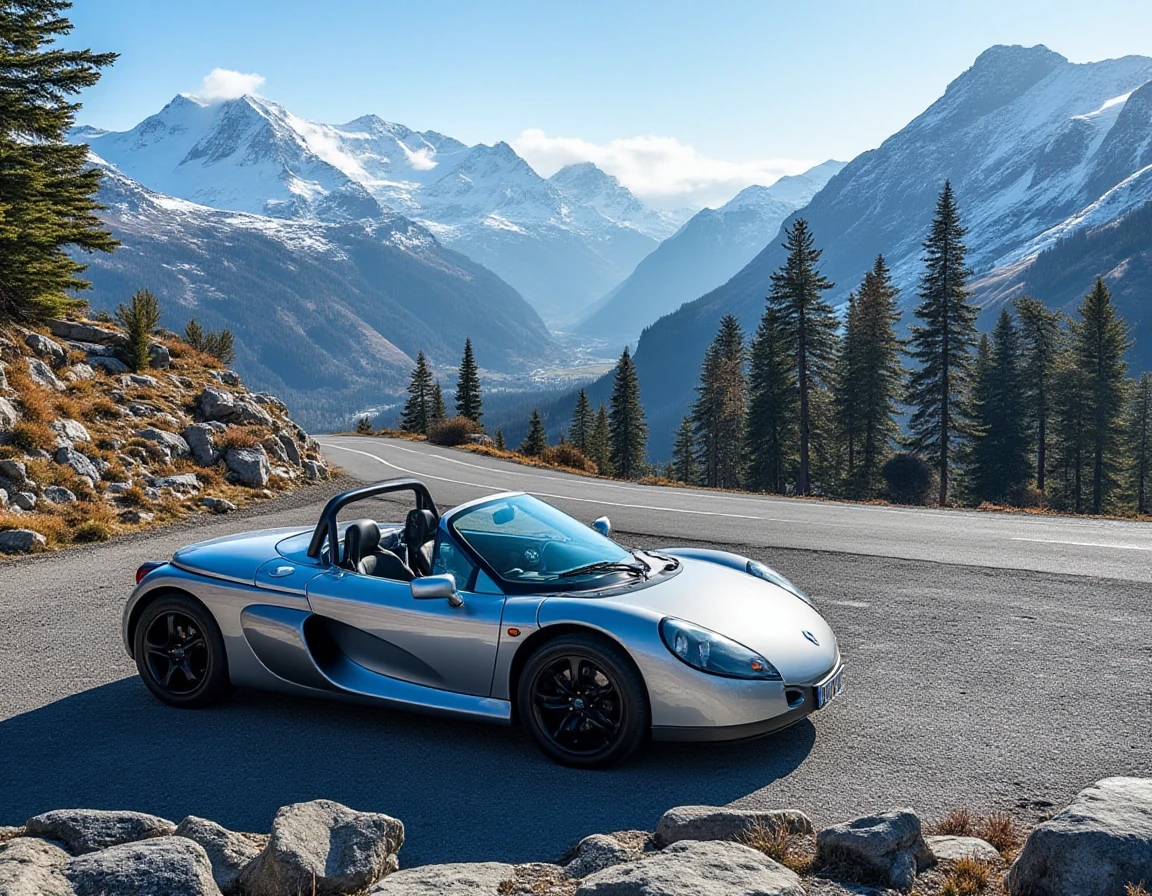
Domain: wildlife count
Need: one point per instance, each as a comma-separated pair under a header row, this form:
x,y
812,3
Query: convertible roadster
x,y
502,609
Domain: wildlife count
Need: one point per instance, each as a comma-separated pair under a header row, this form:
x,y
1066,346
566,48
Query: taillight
x,y
147,568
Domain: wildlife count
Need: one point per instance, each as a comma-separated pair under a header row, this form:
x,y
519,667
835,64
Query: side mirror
x,y
437,588
603,526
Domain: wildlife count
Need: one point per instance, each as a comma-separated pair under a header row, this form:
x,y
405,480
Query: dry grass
x,y
999,829
966,877
956,823
781,845
28,435
1136,890
7,834
135,497
239,437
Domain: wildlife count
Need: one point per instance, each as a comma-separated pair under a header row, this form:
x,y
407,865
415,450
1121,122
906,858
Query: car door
x,y
377,624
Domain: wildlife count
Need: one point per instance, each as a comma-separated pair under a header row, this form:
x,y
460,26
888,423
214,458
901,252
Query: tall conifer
x,y
942,343
770,431
536,440
1140,438
439,412
1042,339
683,467
419,407
599,444
583,422
719,410
468,398
628,427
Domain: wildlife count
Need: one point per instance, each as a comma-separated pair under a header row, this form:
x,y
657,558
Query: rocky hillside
x,y
89,449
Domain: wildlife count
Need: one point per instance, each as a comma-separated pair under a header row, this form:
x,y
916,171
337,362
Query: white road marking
x,y
1087,544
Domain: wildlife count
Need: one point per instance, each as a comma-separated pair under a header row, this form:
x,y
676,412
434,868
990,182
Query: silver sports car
x,y
502,609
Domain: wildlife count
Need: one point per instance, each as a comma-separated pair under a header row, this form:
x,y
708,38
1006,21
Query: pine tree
x,y
583,421
47,189
1099,342
221,346
500,444
439,412
683,466
770,430
599,445
869,381
719,410
808,326
1071,436
194,334
537,439
139,318
628,427
996,453
1140,438
419,407
1042,339
942,344
468,398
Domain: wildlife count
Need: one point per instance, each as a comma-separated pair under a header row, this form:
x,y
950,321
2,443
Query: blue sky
x,y
683,101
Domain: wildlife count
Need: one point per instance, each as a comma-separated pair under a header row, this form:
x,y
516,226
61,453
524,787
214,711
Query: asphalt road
x,y
994,661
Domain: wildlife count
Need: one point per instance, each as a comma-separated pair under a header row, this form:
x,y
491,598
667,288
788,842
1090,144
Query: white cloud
x,y
660,170
225,84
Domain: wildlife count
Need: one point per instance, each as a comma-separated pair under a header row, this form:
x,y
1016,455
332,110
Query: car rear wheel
x,y
180,653
583,702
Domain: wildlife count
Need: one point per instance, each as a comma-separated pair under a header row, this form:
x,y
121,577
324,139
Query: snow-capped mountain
x,y
587,187
327,314
562,250
706,251
1030,142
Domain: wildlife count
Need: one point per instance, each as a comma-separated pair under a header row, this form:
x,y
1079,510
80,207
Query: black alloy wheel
x,y
180,653
583,702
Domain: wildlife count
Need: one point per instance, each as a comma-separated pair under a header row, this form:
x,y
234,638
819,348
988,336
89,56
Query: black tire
x,y
583,702
180,653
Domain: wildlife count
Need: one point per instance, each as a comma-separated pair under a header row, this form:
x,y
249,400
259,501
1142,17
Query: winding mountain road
x,y
994,661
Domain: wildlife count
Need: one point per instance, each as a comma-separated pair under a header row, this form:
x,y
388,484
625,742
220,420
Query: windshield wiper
x,y
605,566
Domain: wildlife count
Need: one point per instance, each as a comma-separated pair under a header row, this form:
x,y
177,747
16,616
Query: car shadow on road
x,y
465,792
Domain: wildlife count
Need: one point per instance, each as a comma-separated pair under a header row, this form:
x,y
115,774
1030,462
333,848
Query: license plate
x,y
830,689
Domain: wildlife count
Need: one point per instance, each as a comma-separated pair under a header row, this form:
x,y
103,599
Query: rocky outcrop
x,y
228,852
1095,847
20,541
173,866
326,848
890,846
454,879
597,852
248,466
713,823
87,830
30,866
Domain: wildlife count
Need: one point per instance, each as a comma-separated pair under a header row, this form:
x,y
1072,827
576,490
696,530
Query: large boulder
x,y
216,404
78,372
597,852
108,363
85,332
14,471
158,356
48,349
291,449
69,432
42,375
1096,846
712,868
180,482
248,466
30,866
172,866
227,851
87,830
314,471
57,494
325,848
889,846
455,879
201,439
248,413
80,464
713,823
20,541
175,444
949,848
9,416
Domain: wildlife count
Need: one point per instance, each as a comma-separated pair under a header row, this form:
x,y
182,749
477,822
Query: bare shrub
x,y
453,431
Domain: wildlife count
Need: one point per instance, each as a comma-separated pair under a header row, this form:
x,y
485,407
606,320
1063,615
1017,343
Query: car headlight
x,y
768,574
713,653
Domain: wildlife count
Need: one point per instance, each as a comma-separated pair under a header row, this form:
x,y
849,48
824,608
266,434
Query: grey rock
x,y
9,416
42,375
216,404
274,449
201,439
3,377
57,494
1096,846
181,381
141,410
78,372
85,332
158,356
315,471
181,482
20,541
268,399
175,444
249,413
597,852
890,846
117,488
291,449
24,500
714,823
112,365
949,848
218,505
14,471
172,866
327,845
87,830
92,348
135,515
30,866
79,463
454,879
248,466
139,379
227,377
72,431
227,851
48,349
702,868
3,498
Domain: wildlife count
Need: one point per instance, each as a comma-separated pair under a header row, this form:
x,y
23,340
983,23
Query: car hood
x,y
763,617
232,557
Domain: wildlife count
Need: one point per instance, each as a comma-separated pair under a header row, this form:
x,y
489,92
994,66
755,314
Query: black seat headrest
x,y
419,527
361,538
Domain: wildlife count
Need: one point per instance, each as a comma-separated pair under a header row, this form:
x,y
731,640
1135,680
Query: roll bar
x,y
327,527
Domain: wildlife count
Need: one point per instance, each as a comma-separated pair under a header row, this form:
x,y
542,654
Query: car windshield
x,y
526,540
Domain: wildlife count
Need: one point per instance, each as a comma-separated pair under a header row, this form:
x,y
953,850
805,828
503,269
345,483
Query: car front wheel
x,y
180,653
583,702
